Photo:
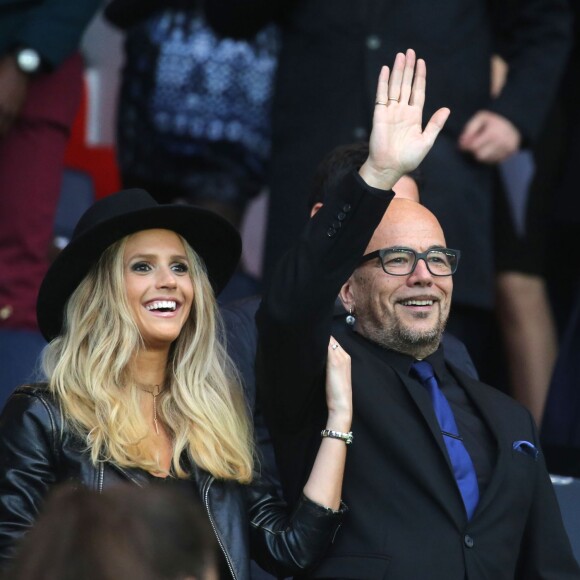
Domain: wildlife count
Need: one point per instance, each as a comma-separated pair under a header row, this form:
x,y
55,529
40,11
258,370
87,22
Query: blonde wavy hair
x,y
90,373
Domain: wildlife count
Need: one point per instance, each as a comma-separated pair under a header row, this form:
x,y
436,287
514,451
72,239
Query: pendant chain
x,y
154,395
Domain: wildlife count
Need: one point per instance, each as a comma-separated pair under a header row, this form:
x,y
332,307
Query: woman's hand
x,y
324,486
338,388
398,142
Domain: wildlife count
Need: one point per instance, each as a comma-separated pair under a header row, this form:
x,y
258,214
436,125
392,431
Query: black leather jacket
x,y
37,451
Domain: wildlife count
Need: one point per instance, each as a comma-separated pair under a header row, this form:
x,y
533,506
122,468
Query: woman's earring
x,y
350,319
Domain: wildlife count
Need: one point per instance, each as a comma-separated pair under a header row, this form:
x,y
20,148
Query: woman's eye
x,y
180,267
141,267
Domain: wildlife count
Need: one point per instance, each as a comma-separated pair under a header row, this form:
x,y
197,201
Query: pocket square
x,y
527,448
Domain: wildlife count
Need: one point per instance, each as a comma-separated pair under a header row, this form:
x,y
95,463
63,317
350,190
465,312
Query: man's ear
x,y
346,295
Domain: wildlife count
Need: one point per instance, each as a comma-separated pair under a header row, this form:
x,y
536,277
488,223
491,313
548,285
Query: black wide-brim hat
x,y
129,211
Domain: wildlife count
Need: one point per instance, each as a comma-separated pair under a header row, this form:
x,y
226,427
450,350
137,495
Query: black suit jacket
x,y
241,339
406,517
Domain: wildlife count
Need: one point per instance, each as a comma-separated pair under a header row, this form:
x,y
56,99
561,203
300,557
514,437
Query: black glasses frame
x,y
455,254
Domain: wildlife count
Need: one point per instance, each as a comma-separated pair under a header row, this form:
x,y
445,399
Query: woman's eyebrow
x,y
153,256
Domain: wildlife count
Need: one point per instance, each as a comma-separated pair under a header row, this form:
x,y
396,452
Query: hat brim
x,y
213,238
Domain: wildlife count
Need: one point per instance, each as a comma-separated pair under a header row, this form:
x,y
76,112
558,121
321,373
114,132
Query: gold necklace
x,y
154,395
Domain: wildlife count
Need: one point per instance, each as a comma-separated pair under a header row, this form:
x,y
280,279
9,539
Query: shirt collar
x,y
437,360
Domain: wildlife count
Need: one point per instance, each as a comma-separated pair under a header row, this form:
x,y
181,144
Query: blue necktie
x,y
460,460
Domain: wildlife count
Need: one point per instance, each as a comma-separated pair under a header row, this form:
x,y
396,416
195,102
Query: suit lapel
x,y
488,411
442,485
423,403
421,399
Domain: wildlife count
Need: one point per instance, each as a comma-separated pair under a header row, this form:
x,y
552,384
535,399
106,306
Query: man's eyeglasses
x,y
403,261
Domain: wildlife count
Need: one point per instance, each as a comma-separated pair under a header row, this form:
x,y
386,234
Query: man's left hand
x,y
489,137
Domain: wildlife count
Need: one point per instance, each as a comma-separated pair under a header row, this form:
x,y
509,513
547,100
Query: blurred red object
x,y
98,161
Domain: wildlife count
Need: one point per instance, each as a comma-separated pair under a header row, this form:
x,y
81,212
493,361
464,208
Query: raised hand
x,y
324,486
398,142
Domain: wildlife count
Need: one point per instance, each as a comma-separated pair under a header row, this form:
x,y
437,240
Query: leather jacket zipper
x,y
101,476
211,521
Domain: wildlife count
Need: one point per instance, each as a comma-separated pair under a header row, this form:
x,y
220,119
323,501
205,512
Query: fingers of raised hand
x,y
407,79
394,92
398,86
383,87
417,94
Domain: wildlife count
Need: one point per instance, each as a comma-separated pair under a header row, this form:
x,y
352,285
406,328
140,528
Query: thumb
x,y
436,123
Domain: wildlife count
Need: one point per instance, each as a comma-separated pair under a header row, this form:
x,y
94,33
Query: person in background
x,y
140,389
41,76
40,91
524,314
124,532
194,108
558,161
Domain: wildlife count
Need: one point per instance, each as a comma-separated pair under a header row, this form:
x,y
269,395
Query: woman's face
x,y
158,284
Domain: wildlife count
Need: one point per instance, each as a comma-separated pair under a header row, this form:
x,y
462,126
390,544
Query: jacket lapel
x,y
423,402
488,411
133,474
421,399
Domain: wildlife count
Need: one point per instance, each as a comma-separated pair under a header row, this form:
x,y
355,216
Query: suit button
x,y
336,225
341,216
468,541
331,232
373,42
346,207
360,134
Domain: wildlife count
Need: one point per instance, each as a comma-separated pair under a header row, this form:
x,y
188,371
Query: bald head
x,y
406,223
